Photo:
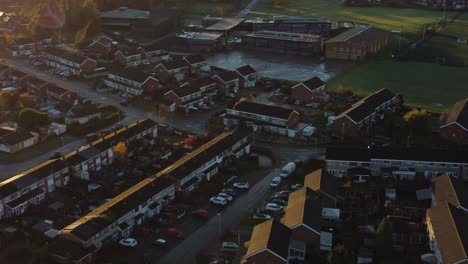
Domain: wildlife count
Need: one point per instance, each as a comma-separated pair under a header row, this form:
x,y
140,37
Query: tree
x,y
9,100
384,239
419,124
339,255
120,151
31,119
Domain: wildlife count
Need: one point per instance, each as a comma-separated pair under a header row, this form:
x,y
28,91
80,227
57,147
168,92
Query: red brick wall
x,y
172,97
454,133
305,235
300,92
88,66
350,129
265,257
293,120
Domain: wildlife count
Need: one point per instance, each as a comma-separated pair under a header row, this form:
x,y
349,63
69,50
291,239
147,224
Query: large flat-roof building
x,y
306,25
201,41
282,42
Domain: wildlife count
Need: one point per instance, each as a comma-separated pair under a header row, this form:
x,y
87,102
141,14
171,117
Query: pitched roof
x,y
200,82
151,47
428,154
450,231
359,35
365,107
126,13
68,248
89,225
174,64
81,110
15,136
183,91
262,109
451,190
227,76
459,113
313,83
65,54
23,41
304,207
271,235
132,74
246,70
193,59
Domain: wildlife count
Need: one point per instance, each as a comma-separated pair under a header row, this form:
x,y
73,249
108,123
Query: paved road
x,y
209,234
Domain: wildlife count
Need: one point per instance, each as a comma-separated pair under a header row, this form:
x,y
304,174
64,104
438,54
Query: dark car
x,y
56,155
124,102
230,192
200,213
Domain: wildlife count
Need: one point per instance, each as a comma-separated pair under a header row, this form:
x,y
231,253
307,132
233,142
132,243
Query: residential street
x,y
208,234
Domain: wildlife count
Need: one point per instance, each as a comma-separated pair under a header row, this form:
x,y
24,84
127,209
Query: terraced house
x,y
260,117
403,163
29,188
193,93
74,63
132,81
118,217
356,121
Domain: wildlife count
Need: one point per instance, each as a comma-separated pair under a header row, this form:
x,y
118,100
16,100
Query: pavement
x,y
247,9
210,233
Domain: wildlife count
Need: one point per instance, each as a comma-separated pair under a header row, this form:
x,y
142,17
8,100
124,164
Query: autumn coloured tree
x,y
120,151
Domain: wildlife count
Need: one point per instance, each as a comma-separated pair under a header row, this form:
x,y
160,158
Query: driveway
x,y
210,233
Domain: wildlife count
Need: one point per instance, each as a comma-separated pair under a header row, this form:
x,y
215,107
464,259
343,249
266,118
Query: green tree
x,y
31,119
384,239
419,124
339,255
9,100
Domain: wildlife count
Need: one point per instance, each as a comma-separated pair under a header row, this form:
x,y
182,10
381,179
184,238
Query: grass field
x,y
422,84
408,20
202,9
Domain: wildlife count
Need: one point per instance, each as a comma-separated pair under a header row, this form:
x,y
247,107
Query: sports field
x,y
422,84
408,20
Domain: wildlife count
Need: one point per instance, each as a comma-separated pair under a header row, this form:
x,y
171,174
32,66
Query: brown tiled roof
x,y
304,207
263,109
271,235
450,231
451,190
459,113
366,106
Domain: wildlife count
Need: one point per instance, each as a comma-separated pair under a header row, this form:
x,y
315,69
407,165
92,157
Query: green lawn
x,y
422,84
220,9
408,20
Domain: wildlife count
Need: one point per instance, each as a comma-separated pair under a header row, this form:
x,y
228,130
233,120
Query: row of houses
x,y
403,163
356,121
118,217
27,46
71,62
304,223
30,187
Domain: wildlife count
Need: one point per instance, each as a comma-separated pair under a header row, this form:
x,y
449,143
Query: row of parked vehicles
x,y
227,195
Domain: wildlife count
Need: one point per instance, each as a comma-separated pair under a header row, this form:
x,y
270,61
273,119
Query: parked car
x,y
241,185
230,192
160,242
287,170
261,216
229,246
298,102
281,196
275,182
226,196
56,155
128,242
172,232
296,186
283,192
279,202
200,213
91,137
218,200
273,207
124,102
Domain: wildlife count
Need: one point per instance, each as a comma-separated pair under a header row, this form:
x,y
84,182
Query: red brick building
x,y
308,91
455,126
357,43
178,69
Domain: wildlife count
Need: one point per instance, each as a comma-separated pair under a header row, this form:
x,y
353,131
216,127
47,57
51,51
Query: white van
x,y
287,170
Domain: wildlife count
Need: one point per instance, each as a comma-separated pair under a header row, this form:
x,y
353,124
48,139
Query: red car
x,y
172,232
284,192
200,213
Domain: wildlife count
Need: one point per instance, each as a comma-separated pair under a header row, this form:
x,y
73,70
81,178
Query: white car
x,y
218,200
229,246
225,196
275,182
296,186
261,216
273,207
241,185
128,242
